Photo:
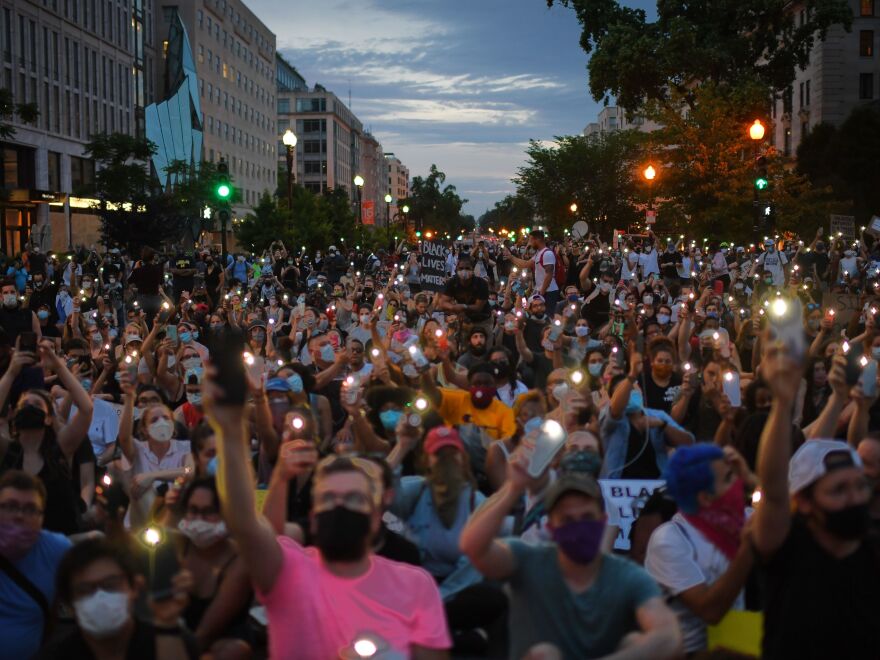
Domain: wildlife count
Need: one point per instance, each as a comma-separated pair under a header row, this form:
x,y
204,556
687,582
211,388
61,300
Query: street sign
x,y
368,212
845,225
651,217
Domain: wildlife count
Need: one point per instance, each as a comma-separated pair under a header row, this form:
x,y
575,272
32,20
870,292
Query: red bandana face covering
x,y
722,521
482,397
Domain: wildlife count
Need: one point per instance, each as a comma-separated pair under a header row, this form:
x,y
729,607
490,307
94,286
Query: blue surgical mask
x,y
595,369
533,424
186,337
43,314
86,384
390,418
636,403
212,467
296,383
327,353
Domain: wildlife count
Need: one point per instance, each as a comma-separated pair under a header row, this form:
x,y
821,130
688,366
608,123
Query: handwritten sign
x,y
845,225
433,262
845,306
624,499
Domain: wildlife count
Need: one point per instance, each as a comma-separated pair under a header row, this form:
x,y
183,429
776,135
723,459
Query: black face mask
x,y
29,417
850,523
502,369
341,534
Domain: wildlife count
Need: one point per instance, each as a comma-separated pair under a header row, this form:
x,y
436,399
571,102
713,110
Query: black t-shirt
x,y
641,459
818,606
141,646
183,282
596,311
398,548
468,294
147,278
660,398
668,264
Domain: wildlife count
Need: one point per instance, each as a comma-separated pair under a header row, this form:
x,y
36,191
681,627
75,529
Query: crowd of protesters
x,y
320,455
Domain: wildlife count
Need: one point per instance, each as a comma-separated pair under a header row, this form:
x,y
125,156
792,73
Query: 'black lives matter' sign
x,y
433,261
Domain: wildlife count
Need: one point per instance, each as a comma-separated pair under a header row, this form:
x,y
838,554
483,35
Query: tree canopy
x,y
436,206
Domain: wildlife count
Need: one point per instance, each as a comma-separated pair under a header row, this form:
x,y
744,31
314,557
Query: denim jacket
x,y
615,438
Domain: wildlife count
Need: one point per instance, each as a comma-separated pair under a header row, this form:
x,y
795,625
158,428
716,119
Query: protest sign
x,y
624,499
433,262
845,225
845,306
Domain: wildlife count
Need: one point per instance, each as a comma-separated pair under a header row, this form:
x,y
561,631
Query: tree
x,y
131,214
9,110
512,212
845,159
727,43
706,181
435,206
597,172
190,190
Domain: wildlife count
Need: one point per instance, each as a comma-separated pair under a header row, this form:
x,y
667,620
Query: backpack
x,y
559,274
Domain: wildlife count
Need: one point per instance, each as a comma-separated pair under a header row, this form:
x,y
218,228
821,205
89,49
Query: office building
x,y
398,181
843,72
87,66
612,118
328,138
372,169
235,65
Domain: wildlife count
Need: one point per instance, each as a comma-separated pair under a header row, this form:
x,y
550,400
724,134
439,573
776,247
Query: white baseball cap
x,y
816,458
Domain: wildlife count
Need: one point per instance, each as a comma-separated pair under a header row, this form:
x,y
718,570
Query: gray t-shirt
x,y
586,625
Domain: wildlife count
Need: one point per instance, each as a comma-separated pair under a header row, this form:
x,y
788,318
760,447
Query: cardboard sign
x,y
624,499
650,217
845,306
433,262
845,225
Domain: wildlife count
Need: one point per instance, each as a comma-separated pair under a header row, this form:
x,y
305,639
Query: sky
x,y
464,84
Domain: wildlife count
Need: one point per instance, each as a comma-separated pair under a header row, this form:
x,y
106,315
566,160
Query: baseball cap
x,y
572,482
442,436
256,323
538,297
768,242
130,339
816,458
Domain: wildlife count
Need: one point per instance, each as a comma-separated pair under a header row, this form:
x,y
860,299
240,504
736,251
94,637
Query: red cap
x,y
442,436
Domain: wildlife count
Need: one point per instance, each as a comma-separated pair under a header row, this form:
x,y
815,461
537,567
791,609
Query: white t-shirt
x,y
628,266
679,558
685,267
648,263
542,259
773,263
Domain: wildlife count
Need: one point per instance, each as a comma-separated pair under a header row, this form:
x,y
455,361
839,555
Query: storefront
x,y
19,209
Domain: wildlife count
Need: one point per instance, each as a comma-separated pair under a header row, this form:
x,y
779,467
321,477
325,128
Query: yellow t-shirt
x,y
497,420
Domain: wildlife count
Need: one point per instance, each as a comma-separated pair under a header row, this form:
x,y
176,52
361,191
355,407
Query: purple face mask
x,y
17,540
580,540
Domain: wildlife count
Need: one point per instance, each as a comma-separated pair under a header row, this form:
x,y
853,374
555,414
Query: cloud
x,y
493,163
332,27
443,112
424,81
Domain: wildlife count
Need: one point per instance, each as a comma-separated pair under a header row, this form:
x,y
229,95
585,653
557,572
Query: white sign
x,y
845,225
874,227
624,499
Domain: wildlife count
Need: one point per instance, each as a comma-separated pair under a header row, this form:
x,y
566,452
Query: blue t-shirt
x,y
587,625
21,619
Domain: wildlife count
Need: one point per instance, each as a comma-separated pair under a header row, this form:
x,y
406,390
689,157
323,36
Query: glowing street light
x,y
359,184
573,208
650,173
756,130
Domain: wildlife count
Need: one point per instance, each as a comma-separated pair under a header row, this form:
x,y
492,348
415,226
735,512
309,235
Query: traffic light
x,y
223,189
761,179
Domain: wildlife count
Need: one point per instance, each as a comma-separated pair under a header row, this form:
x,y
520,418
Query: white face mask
x,y
102,614
10,299
604,287
559,390
195,398
365,318
191,363
161,430
202,533
663,319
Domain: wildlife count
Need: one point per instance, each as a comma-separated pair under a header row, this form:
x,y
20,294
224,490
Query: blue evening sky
x,y
464,84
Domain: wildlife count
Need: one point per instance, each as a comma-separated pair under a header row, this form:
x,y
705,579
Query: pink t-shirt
x,y
314,614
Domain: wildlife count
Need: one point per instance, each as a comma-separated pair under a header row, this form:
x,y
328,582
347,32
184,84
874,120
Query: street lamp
x,y
388,199
573,207
756,134
289,140
359,184
650,174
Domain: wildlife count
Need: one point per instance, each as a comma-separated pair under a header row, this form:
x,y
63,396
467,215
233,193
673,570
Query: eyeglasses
x,y
353,500
16,509
112,583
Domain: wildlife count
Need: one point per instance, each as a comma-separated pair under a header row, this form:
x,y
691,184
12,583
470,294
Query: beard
x,y
447,482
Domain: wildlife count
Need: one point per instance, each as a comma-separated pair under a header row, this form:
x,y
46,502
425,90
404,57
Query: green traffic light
x,y
761,183
224,191
418,234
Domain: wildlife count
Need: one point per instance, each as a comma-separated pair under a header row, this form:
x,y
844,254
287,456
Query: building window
x,y
805,129
82,174
866,43
54,166
866,86
866,7
808,93
284,105
801,94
